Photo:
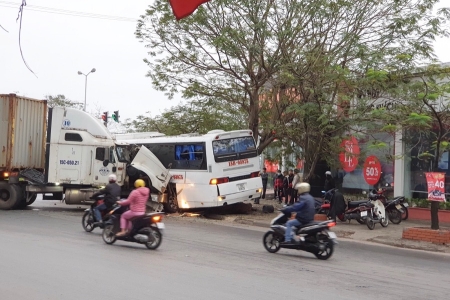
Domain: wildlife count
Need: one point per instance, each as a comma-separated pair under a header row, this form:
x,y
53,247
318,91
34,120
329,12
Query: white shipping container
x,y
23,123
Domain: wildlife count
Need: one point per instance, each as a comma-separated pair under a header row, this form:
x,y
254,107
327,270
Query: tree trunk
x,y
434,215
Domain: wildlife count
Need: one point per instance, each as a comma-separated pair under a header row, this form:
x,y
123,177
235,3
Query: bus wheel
x,y
172,204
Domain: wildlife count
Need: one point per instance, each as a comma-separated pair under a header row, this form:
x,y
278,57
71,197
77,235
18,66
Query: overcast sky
x,y
57,45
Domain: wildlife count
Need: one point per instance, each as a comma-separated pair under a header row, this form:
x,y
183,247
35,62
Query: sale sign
x,y
349,156
372,170
436,186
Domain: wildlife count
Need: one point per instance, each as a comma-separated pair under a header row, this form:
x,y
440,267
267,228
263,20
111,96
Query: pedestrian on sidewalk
x,y
264,177
329,181
285,186
278,186
290,189
295,180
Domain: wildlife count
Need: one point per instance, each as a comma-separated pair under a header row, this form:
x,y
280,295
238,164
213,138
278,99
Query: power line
x,y
65,12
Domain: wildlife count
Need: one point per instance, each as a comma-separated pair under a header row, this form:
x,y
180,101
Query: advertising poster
x,y
436,186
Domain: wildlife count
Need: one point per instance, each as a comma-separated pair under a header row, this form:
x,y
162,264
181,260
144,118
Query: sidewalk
x,y
391,235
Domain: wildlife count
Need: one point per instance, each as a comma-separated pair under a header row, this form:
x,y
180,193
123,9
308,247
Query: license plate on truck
x,y
241,187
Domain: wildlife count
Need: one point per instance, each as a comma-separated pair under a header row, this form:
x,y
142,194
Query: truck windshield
x,y
123,153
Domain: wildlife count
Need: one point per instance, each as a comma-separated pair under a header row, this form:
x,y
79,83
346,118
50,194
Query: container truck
x,y
66,154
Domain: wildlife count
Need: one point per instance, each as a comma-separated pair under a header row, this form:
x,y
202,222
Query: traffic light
x,y
105,117
115,116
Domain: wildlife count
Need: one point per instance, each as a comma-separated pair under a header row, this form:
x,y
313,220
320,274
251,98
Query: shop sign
x,y
372,170
349,156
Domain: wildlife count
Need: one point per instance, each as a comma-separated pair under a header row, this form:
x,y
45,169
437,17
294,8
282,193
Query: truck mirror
x,y
105,162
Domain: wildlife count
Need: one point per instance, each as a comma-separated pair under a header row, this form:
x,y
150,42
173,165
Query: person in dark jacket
x,y
302,212
329,182
337,203
264,178
278,186
112,194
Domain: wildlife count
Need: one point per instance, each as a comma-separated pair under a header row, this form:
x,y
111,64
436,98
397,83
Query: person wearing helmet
x,y
112,194
137,200
329,182
302,212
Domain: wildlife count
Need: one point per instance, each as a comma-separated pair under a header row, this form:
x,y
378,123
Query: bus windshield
x,y
234,148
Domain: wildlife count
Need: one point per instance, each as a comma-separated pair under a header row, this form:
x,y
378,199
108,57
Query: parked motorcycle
x,y
375,214
356,210
88,220
393,207
314,237
146,229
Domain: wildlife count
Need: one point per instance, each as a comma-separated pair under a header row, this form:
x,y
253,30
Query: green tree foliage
x,y
303,71
193,117
62,101
424,116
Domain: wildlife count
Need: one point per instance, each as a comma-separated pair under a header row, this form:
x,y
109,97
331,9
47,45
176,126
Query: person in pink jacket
x,y
137,200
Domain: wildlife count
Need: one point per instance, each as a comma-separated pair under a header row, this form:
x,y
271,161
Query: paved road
x,y
45,254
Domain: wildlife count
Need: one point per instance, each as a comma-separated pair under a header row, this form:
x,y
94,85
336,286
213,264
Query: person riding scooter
x,y
112,194
302,212
137,200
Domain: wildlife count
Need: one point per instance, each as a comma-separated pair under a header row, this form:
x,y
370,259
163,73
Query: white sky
x,y
57,46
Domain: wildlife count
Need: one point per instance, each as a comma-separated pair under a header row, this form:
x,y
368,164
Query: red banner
x,y
436,186
349,155
372,170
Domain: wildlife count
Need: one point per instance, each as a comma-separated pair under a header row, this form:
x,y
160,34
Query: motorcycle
x,y
88,220
376,214
393,207
146,229
313,237
356,210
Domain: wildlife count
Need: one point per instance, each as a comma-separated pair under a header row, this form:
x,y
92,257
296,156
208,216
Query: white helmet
x,y
328,173
303,187
112,177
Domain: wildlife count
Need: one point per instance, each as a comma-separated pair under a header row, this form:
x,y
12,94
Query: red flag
x,y
184,8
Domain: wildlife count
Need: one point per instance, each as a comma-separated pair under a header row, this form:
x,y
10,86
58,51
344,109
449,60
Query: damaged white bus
x,y
215,169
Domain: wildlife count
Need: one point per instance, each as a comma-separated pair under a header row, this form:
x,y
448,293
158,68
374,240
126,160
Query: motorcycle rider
x,y
112,194
302,212
137,200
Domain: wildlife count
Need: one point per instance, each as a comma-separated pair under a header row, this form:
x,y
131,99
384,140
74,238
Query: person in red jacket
x,y
137,200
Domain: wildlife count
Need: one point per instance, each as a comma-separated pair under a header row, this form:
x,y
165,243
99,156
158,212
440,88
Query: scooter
x,y
393,207
88,220
146,229
314,237
376,214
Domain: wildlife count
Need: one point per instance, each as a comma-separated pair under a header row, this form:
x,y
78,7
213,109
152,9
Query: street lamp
x,y
85,84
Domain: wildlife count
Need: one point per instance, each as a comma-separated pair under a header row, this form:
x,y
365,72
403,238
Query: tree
x,y
304,71
62,101
228,50
193,117
424,117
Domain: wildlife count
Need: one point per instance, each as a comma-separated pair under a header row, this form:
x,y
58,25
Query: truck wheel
x,y
10,196
23,203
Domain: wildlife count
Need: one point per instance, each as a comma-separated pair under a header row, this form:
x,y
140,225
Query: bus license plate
x,y
241,187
